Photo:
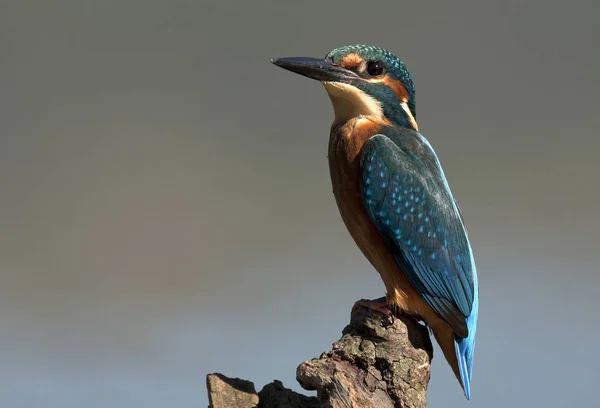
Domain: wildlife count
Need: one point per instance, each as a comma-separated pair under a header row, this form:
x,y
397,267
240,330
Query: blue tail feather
x,y
465,347
460,345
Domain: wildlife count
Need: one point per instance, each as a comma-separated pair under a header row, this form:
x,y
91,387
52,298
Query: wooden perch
x,y
375,364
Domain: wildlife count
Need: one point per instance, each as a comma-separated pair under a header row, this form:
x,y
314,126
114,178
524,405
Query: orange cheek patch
x,y
351,61
397,87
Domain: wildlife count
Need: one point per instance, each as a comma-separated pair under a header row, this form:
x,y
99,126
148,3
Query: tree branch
x,y
375,364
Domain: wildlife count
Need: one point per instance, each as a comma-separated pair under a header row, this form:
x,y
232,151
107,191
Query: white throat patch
x,y
350,102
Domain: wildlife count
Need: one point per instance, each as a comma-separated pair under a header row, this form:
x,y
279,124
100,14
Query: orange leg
x,y
380,305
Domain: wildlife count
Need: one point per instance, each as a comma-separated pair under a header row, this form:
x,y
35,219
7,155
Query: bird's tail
x,y
464,348
465,366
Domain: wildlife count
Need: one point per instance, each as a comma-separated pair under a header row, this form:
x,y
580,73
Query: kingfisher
x,y
394,198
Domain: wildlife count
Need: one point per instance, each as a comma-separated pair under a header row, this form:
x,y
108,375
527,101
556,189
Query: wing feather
x,y
408,198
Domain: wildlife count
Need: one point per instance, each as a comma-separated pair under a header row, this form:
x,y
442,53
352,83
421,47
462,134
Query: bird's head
x,y
361,80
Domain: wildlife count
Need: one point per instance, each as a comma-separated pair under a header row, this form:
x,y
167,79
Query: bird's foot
x,y
380,305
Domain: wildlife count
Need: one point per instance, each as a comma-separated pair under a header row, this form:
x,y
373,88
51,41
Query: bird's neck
x,y
400,115
347,139
351,103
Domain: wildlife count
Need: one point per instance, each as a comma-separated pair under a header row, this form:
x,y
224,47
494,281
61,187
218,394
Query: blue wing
x,y
407,197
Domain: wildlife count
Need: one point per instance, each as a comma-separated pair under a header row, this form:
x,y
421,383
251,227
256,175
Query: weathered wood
x,y
275,395
225,392
376,363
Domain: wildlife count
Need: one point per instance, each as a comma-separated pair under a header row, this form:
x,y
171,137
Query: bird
x,y
394,198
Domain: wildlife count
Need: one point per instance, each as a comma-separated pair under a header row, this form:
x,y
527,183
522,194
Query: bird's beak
x,y
315,68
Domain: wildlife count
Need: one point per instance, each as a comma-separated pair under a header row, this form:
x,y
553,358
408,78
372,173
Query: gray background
x,y
166,211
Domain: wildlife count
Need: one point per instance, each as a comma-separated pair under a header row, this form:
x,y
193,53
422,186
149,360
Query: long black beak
x,y
315,68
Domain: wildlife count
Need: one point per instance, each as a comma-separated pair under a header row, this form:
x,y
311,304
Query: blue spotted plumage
x,y
434,252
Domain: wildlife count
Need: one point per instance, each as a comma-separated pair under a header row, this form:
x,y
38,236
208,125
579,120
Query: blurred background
x,y
166,209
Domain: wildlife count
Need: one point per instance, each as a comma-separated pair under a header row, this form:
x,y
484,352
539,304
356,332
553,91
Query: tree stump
x,y
376,363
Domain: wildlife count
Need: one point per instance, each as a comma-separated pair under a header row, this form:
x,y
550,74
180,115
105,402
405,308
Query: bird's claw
x,y
378,305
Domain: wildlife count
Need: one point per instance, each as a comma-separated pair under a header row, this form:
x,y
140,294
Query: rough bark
x,y
376,363
225,392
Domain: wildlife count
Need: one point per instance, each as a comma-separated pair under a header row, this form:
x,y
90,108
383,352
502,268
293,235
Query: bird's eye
x,y
375,67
